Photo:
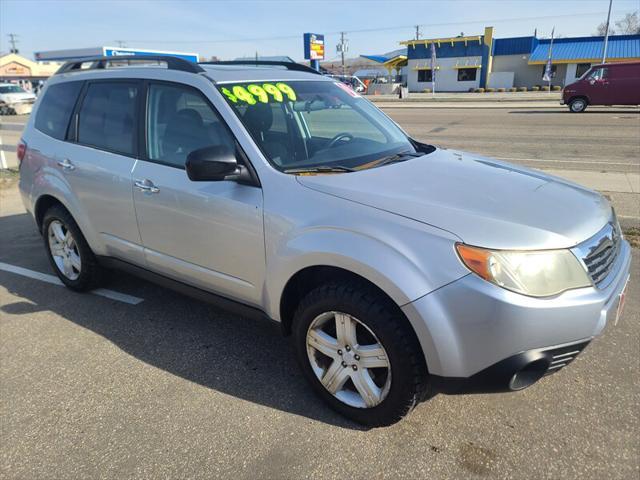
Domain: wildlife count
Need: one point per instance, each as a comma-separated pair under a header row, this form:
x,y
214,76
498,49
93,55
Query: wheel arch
x,y
44,203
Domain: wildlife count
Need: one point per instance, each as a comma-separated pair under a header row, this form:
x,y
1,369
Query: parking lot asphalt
x,y
95,387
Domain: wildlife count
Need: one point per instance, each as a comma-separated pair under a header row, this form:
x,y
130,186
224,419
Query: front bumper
x,y
467,328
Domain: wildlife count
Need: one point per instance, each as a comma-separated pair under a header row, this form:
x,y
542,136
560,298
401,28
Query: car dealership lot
x,y
97,387
139,382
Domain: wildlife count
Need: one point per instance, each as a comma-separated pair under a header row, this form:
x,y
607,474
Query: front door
x,y
207,234
596,87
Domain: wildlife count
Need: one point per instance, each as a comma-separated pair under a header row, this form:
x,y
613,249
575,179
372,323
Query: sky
x,y
230,29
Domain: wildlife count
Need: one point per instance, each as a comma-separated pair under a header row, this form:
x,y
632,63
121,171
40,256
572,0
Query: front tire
x,y
68,251
578,105
359,353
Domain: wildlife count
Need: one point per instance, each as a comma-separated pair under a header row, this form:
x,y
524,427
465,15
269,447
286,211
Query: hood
x,y
484,202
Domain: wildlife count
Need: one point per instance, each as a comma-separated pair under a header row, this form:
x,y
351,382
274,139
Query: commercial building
x,y
14,67
80,53
468,62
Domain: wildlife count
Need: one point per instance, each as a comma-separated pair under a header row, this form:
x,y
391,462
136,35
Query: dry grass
x,y
633,236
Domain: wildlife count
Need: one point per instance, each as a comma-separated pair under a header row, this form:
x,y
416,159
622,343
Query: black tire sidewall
x,y
89,273
388,327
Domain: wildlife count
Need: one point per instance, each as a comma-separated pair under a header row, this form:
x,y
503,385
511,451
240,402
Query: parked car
x,y
14,99
605,84
399,269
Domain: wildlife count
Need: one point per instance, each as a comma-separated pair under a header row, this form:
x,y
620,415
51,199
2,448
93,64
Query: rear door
x,y
207,234
98,160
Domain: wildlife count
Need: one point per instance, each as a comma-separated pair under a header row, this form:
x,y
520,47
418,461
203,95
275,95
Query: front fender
x,y
392,262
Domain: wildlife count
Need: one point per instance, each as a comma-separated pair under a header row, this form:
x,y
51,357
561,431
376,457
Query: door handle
x,y
66,164
146,186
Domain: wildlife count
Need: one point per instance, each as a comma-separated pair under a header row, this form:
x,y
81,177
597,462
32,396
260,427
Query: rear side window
x,y
56,108
107,118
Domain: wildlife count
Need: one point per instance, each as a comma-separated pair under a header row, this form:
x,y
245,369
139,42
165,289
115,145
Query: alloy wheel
x,y
64,250
348,359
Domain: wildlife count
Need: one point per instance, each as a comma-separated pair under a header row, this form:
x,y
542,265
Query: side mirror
x,y
213,163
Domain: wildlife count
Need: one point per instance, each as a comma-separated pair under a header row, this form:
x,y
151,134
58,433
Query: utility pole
x,y
13,40
418,34
606,35
121,43
342,48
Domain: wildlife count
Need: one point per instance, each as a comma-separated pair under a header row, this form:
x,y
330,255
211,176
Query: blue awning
x,y
570,50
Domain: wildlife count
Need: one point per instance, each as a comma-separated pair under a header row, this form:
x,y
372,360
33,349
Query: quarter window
x,y
179,121
424,76
467,74
55,110
107,118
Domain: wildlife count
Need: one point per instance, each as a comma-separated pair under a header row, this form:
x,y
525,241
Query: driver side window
x,y
598,74
179,121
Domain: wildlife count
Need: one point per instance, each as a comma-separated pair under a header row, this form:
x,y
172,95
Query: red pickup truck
x,y
605,84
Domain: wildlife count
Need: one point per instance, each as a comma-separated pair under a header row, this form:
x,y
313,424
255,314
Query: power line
x,y
379,29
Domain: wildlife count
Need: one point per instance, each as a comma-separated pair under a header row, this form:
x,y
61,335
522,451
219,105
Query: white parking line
x,y
3,160
43,277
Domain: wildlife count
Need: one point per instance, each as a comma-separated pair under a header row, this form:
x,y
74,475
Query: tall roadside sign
x,y
314,49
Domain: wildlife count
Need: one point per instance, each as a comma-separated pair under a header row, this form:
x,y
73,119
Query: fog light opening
x,y
529,375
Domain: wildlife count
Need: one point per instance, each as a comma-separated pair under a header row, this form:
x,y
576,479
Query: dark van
x,y
605,84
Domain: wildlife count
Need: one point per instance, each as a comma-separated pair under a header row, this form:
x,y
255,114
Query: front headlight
x,y
535,273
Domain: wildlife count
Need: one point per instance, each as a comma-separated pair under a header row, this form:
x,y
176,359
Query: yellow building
x,y
15,67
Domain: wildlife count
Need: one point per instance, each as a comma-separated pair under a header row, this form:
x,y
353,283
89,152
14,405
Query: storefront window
x,y
425,76
467,74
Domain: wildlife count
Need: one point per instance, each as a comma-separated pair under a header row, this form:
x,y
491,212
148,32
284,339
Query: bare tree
x,y
630,24
601,31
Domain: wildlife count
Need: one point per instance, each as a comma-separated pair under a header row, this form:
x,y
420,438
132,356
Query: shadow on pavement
x,y
245,358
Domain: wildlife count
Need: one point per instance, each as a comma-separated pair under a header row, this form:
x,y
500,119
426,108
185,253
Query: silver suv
x,y
399,269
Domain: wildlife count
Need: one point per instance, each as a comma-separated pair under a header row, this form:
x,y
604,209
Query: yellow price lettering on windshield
x,y
254,93
227,93
287,90
241,94
274,91
259,92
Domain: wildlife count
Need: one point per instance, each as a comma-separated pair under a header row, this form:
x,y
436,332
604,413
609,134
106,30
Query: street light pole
x,y
606,35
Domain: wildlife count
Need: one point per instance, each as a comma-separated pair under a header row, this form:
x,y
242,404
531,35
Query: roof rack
x,y
265,63
97,63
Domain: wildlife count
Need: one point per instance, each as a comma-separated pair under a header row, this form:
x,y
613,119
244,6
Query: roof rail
x,y
265,63
97,63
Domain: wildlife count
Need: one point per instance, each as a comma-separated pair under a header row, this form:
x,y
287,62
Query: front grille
x,y
563,356
600,252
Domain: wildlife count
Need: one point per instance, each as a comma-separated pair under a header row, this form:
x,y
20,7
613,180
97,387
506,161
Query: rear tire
x,y
380,375
69,254
578,105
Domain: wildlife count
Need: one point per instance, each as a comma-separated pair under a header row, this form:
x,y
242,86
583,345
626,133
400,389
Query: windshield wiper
x,y
397,157
320,169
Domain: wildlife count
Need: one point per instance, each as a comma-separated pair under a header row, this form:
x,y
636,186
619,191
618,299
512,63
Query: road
x,y
601,139
156,385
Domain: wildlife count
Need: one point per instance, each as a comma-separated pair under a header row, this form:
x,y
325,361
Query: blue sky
x,y
229,29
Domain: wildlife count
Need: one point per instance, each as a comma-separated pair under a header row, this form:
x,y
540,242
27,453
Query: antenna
x,y
418,34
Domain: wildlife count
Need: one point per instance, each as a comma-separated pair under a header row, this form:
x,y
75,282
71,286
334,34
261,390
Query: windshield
x,y
304,125
11,89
